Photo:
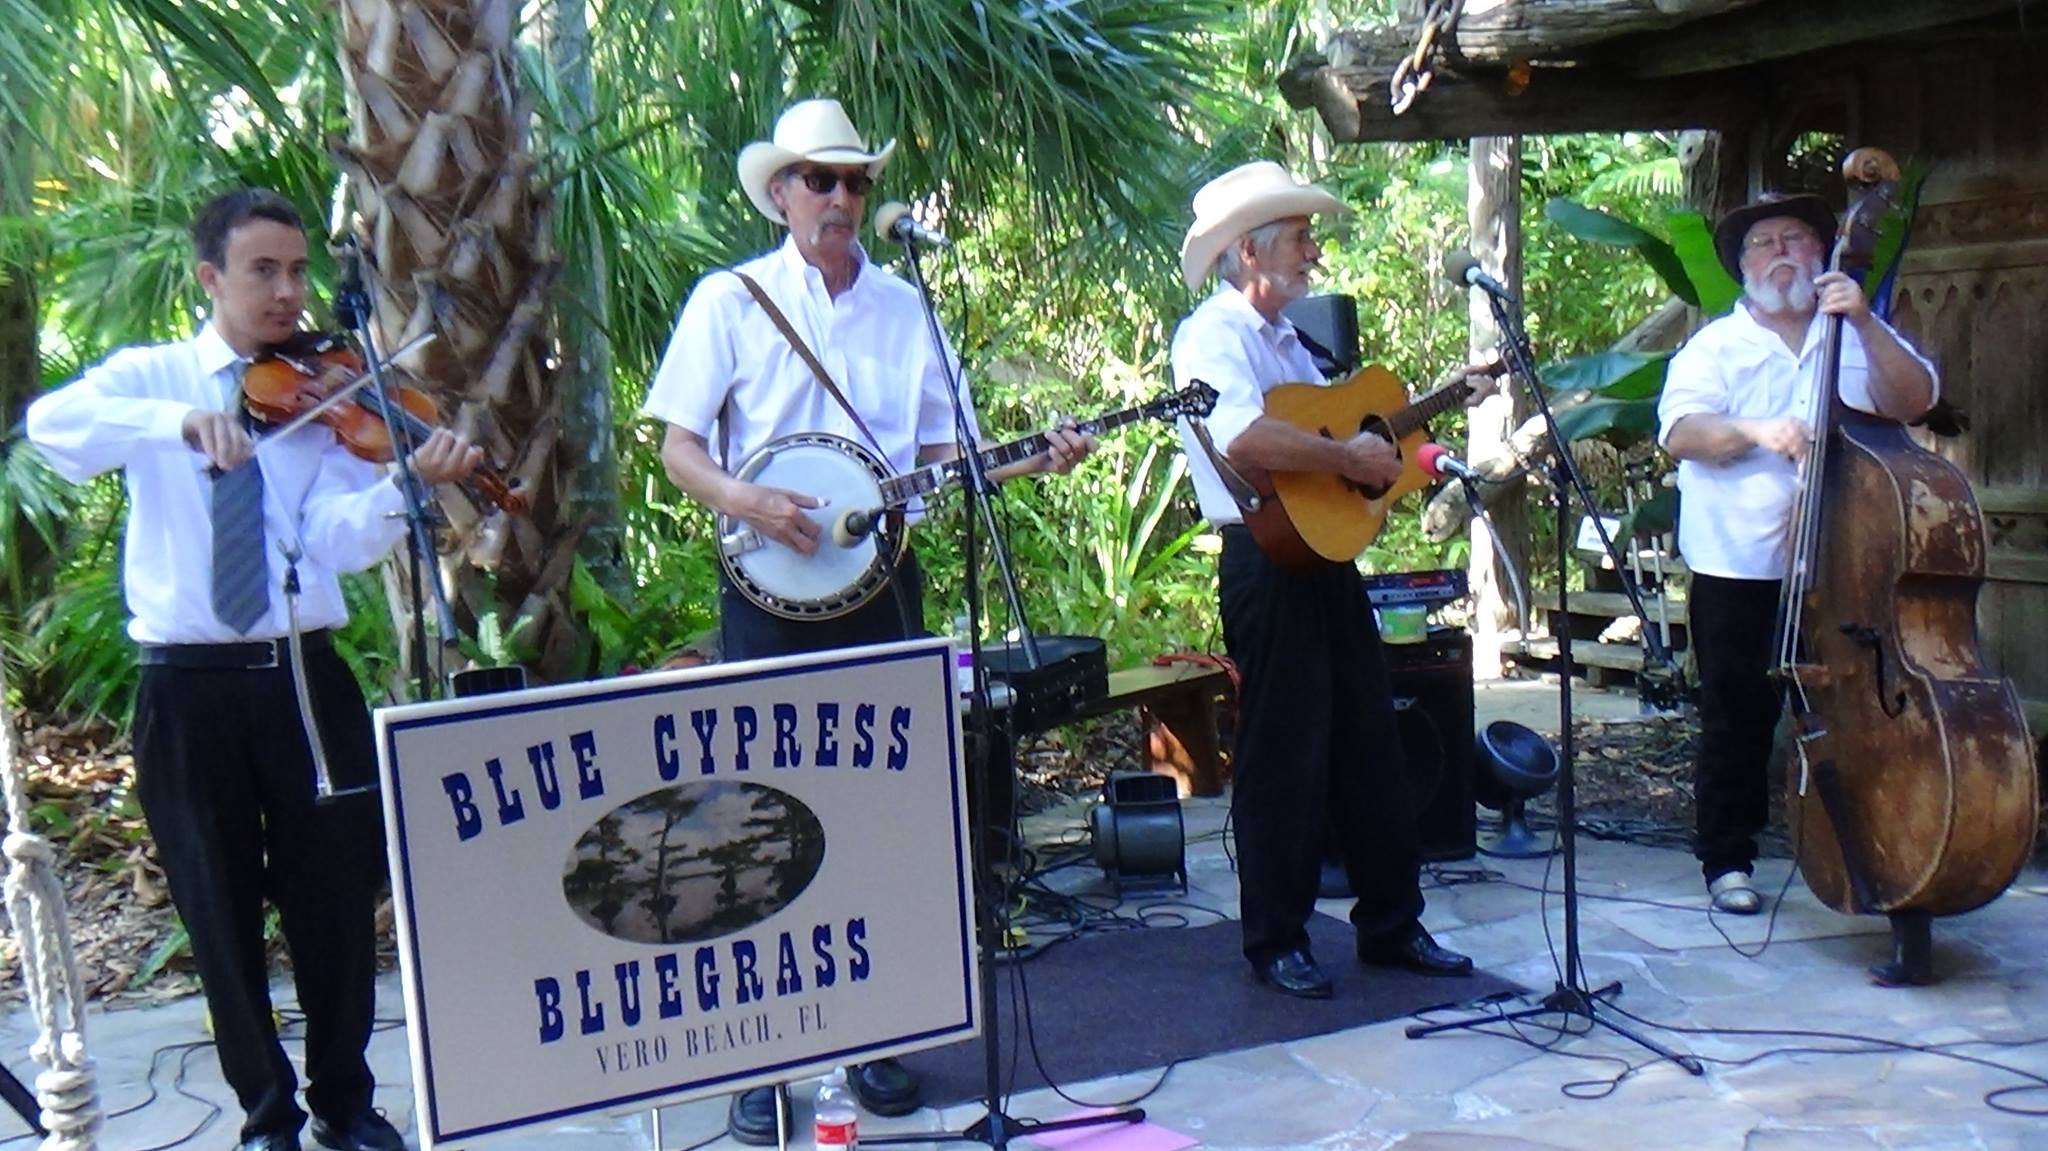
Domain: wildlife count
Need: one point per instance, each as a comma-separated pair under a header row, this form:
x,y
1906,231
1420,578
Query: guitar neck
x,y
1429,407
900,490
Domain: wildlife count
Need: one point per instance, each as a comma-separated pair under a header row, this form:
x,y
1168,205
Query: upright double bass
x,y
1912,791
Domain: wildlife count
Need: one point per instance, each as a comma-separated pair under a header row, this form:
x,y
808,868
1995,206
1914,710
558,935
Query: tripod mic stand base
x,y
1567,1000
997,1129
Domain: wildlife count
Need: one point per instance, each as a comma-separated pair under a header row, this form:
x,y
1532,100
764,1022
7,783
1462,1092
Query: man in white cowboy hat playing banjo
x,y
729,361
1317,740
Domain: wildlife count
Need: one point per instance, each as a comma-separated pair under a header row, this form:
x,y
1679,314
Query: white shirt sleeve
x,y
1856,368
104,418
696,373
1214,354
353,515
1693,385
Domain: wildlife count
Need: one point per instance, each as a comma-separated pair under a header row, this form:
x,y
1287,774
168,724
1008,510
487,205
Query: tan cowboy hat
x,y
1242,199
1734,227
816,131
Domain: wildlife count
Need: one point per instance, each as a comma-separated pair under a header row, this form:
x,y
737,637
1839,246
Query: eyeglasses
x,y
1790,238
823,180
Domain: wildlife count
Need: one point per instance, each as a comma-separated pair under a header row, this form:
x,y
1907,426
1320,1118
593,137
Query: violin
x,y
296,377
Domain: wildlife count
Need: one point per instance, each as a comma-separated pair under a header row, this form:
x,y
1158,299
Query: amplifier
x,y
1073,672
1433,702
1387,589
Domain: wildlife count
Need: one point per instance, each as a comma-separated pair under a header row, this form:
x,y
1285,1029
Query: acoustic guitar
x,y
1307,518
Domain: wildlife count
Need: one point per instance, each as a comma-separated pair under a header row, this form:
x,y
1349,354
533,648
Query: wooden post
x,y
1493,209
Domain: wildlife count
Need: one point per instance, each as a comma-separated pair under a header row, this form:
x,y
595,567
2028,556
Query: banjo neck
x,y
900,490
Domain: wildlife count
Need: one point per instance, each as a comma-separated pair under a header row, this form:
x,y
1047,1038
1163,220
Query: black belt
x,y
250,656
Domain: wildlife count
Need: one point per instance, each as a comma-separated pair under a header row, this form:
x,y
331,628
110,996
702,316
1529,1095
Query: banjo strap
x,y
788,331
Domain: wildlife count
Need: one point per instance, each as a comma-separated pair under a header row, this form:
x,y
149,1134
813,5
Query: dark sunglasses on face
x,y
823,180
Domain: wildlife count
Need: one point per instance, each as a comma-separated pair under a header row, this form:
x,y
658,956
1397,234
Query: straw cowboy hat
x,y
814,131
1729,233
1242,199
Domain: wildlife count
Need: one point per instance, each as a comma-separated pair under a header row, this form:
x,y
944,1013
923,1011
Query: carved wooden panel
x,y
1973,294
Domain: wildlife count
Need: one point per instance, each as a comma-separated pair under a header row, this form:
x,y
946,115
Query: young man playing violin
x,y
1736,415
224,768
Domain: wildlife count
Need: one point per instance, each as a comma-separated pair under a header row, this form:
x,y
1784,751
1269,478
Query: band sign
x,y
657,888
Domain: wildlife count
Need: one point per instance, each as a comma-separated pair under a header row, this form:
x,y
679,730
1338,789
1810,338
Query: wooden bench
x,y
1177,705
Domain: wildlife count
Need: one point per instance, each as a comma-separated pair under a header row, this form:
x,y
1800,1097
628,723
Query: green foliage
x,y
1600,228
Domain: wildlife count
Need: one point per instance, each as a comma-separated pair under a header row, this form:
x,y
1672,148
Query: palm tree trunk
x,y
440,175
26,559
591,488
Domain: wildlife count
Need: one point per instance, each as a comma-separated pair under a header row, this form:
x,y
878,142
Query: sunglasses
x,y
823,180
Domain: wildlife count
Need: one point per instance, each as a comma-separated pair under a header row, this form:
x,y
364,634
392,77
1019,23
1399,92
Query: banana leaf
x,y
1617,375
1693,240
1619,422
1599,227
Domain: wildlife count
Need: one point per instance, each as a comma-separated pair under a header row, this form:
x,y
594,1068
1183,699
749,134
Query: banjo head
x,y
835,579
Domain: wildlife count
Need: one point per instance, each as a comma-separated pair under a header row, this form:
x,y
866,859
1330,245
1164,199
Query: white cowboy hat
x,y
1242,199
814,130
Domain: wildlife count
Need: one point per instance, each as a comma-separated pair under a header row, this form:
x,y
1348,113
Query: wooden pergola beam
x,y
1792,30
1353,103
1504,31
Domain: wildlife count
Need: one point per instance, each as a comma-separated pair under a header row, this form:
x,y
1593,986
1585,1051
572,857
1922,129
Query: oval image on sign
x,y
692,862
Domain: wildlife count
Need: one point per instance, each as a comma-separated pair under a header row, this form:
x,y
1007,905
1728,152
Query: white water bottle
x,y
834,1129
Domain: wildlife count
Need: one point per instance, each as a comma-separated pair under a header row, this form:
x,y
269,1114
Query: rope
x,y
67,1089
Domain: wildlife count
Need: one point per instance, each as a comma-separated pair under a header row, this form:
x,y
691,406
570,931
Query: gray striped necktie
x,y
241,572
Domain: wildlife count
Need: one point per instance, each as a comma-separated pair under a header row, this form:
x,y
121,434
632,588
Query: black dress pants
x,y
1318,752
1734,644
746,631
226,782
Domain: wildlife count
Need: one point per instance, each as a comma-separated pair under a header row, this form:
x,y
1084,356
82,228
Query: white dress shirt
x,y
129,413
1228,345
1734,518
872,339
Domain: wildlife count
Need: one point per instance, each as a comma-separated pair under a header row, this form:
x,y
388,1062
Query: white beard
x,y
1772,300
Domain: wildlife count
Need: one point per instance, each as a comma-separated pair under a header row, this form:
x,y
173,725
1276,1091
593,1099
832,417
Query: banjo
x,y
858,553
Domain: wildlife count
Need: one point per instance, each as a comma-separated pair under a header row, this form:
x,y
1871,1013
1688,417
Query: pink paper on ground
x,y
1112,1136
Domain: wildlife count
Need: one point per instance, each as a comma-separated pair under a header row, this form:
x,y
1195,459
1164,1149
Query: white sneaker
x,y
1733,894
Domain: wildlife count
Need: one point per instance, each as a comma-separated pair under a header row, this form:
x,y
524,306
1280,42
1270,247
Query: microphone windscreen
x,y
851,528
1457,263
887,215
1429,457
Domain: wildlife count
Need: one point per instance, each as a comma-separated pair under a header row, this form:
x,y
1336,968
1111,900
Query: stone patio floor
x,y
1643,921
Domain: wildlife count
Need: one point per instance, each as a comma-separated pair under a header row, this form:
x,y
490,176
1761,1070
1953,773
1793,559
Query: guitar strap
x,y
803,350
1241,490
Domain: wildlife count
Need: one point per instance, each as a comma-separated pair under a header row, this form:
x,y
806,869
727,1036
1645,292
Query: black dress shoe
x,y
1295,973
365,1131
886,1087
270,1141
1416,951
750,1119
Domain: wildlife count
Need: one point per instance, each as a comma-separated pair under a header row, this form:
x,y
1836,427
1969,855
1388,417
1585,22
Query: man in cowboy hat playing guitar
x,y
1734,413
1317,738
730,363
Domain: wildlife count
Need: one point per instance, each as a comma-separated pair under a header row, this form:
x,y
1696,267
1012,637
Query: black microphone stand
x,y
352,312
1570,996
995,1128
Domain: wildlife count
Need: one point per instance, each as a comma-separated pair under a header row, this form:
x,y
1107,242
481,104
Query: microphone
x,y
893,221
855,526
1436,461
351,298
1462,268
